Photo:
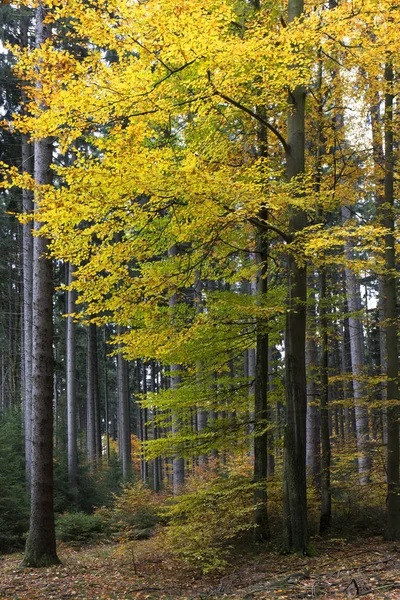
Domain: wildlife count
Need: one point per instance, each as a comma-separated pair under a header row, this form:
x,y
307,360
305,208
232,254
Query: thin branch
x,y
253,114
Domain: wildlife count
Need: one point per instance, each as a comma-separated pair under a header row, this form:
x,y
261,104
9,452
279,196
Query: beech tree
x,y
221,130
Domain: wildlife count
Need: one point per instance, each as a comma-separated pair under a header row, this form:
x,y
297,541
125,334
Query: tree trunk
x,y
295,534
91,397
260,402
390,278
27,286
71,386
357,363
326,499
40,549
313,438
124,434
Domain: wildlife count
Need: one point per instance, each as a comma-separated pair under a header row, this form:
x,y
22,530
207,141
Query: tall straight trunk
x,y
124,434
313,437
295,533
145,428
390,278
106,399
27,153
71,385
379,165
40,549
27,264
326,497
178,463
357,363
156,462
260,401
91,396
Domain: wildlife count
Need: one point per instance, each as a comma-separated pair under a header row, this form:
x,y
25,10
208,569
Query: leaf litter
x,y
368,569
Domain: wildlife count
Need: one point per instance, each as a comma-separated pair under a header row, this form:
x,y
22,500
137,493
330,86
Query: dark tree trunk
x,y
260,402
326,499
390,293
40,549
91,397
295,534
124,434
71,386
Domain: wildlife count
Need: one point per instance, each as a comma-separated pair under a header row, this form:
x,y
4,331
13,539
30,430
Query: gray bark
x,y
92,444
40,549
357,363
313,446
71,385
27,285
124,434
326,497
178,463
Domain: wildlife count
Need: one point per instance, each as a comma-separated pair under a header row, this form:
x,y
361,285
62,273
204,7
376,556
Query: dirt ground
x,y
367,568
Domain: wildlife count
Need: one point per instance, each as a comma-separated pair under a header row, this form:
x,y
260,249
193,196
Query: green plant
x,y
204,523
14,506
135,511
80,528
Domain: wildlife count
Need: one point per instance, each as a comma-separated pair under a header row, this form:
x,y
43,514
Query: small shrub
x,y
135,511
80,528
14,504
203,523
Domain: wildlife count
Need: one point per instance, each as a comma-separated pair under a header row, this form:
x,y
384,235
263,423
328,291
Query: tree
x,y
40,547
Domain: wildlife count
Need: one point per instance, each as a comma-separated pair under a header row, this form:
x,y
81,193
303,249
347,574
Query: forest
x,y
199,255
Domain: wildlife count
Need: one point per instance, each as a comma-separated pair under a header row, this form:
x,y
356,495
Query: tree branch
x,y
253,114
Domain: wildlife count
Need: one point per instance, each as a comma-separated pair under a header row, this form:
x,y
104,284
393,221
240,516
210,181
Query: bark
x,y
71,386
106,399
91,397
357,363
326,498
295,534
260,402
178,463
313,443
27,286
157,476
390,278
124,434
40,549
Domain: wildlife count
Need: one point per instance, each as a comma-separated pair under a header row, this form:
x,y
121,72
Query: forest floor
x,y
368,568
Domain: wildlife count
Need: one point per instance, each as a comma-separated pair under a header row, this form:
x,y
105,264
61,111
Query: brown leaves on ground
x,y
369,569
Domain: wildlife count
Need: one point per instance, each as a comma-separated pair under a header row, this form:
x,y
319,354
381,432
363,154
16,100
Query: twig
x,y
391,586
134,561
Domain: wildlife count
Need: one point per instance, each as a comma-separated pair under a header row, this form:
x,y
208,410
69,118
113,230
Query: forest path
x,y
369,569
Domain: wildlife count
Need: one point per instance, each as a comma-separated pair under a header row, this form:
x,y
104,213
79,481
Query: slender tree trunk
x,y
295,534
178,463
27,286
71,386
357,363
124,434
91,397
260,402
313,438
390,279
326,498
106,399
40,549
